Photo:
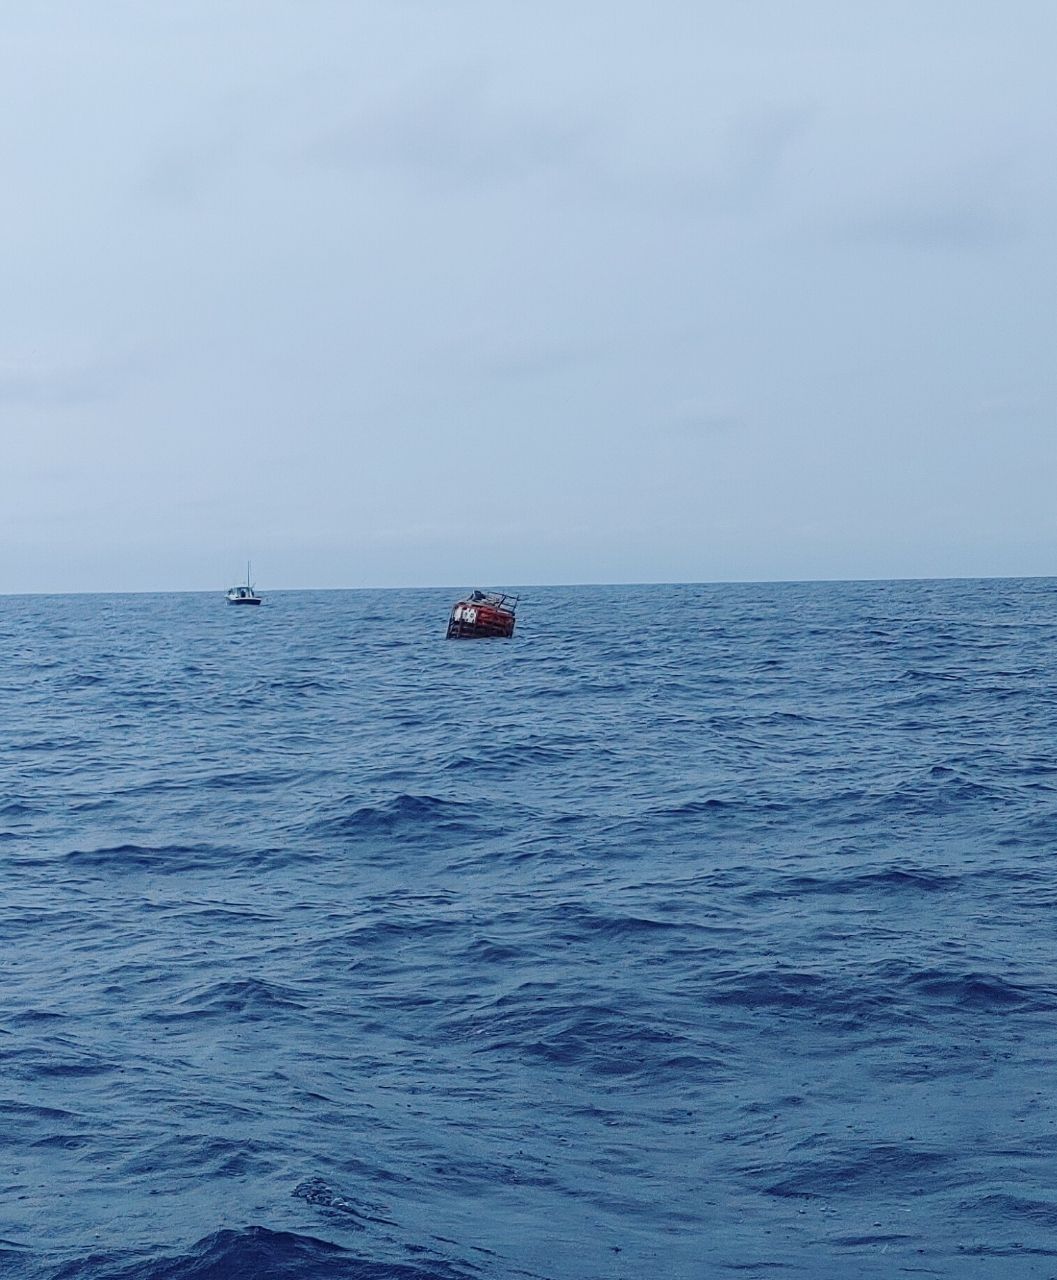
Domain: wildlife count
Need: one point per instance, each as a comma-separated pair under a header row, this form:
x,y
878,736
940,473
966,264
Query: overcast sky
x,y
403,292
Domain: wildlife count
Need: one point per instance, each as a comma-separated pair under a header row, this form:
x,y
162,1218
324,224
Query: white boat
x,y
246,594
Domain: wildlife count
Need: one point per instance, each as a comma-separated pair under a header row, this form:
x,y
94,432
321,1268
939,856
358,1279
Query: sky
x,y
472,292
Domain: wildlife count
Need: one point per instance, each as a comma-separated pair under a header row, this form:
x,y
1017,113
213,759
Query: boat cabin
x,y
244,594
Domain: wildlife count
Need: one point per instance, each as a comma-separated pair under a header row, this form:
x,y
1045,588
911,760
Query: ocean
x,y
697,931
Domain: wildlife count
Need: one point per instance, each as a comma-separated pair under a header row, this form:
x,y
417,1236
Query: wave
x,y
251,998
887,880
317,1192
892,991
401,814
20,809
255,1253
172,858
980,992
605,1040
898,1168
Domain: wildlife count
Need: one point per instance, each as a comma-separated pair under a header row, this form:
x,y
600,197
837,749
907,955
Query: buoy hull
x,y
480,620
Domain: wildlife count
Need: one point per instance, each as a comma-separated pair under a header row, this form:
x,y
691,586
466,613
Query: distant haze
x,y
393,293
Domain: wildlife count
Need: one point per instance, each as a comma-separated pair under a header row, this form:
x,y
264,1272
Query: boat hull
x,y
245,600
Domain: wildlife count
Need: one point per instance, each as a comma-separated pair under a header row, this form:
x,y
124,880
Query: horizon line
x,y
526,586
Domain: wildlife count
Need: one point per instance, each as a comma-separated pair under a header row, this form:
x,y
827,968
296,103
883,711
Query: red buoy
x,y
482,613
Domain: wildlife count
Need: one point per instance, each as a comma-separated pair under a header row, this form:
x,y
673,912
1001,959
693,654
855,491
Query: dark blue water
x,y
697,931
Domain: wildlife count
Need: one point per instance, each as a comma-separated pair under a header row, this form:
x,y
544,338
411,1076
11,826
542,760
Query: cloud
x,y
699,418
455,131
732,168
179,174
462,132
958,211
541,361
1001,409
208,149
936,226
37,382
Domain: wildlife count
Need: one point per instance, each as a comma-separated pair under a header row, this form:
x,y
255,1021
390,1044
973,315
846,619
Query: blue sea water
x,y
697,931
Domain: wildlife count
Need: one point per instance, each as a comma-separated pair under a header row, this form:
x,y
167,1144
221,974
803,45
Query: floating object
x,y
482,613
246,594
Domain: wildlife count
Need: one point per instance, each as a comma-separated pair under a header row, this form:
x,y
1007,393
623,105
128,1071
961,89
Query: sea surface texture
x,y
697,931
